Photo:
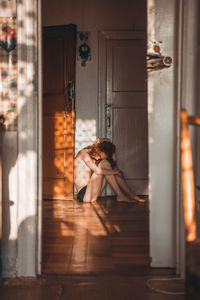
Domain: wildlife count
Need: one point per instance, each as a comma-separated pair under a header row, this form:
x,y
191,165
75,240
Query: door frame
x,y
185,93
29,138
163,134
32,55
40,140
103,91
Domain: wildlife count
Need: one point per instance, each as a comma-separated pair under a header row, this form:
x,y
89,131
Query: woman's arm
x,y
99,171
109,172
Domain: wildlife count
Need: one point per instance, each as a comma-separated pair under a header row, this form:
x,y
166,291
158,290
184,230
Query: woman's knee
x,y
104,163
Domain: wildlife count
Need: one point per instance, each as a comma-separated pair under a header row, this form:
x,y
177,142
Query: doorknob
x,y
108,121
108,107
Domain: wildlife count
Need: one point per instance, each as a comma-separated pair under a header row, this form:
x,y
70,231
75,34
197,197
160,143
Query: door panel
x,y
134,120
53,103
58,111
126,99
128,65
54,139
53,58
126,108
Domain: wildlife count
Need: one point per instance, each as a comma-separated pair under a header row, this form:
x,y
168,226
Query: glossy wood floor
x,y
93,246
102,237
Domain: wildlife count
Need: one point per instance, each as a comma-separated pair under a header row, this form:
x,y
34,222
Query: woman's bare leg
x,y
97,183
95,186
111,179
123,184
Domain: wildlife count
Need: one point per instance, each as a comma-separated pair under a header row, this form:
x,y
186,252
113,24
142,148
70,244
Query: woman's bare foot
x,y
138,199
123,199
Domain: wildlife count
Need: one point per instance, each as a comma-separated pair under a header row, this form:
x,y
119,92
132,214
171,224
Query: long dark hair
x,y
107,147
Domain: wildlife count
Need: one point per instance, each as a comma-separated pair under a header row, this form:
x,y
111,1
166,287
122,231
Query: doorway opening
x,y
106,236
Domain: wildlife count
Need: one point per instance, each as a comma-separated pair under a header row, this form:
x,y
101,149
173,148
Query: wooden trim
x,y
194,120
187,179
179,82
39,182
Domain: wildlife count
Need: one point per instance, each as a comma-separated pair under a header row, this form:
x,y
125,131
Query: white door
x,y
126,104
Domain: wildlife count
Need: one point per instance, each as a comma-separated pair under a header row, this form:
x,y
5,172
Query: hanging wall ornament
x,y
7,37
84,52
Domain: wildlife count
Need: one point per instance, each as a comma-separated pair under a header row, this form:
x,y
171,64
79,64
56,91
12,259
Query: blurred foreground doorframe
x,y
162,110
29,163
180,38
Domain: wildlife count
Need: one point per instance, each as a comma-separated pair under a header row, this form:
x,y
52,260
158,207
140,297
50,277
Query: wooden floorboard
x,y
91,288
105,237
87,250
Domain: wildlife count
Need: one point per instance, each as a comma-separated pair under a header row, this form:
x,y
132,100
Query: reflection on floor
x,y
101,252
102,237
98,238
86,288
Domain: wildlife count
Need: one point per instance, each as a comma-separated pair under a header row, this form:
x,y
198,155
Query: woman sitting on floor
x,y
95,166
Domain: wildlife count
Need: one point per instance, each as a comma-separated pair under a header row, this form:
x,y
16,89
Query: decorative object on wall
x,y
7,37
155,60
83,47
8,74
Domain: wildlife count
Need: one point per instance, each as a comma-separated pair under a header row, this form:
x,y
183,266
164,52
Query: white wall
x,y
9,203
19,151
162,135
9,185
92,16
